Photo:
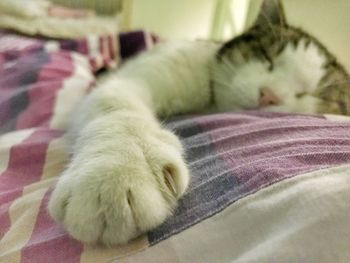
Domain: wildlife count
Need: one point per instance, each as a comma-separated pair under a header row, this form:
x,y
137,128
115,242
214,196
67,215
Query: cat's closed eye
x,y
267,58
300,94
271,66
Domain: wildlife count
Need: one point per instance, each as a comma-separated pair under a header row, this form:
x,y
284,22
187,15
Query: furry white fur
x,y
127,171
31,18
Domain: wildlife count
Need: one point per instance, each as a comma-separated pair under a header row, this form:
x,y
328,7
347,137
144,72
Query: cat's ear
x,y
271,13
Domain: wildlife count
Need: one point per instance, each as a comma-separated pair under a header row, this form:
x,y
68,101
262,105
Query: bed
x,y
266,187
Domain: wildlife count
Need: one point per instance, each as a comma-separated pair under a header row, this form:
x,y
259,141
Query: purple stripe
x,y
200,200
234,155
132,43
15,81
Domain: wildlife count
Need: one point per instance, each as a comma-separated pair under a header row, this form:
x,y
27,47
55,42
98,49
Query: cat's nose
x,y
267,97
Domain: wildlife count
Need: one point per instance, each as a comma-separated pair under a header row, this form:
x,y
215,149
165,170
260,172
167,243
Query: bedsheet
x,y
265,186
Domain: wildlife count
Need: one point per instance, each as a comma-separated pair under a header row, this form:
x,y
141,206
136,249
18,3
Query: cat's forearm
x,y
113,98
174,78
126,171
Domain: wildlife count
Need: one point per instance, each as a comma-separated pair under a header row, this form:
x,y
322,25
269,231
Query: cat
x,y
127,172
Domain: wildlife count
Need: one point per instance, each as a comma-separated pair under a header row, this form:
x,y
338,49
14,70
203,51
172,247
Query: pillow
x,y
31,17
16,8
105,7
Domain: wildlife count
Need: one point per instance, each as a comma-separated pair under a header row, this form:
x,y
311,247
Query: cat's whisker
x,y
335,83
220,78
222,84
230,67
242,94
239,90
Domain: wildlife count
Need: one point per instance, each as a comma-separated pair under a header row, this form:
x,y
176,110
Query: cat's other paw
x,y
114,191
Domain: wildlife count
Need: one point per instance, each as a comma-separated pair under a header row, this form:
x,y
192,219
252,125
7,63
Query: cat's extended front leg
x,y
125,177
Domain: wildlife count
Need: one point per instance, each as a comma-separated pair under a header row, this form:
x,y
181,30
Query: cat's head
x,y
275,66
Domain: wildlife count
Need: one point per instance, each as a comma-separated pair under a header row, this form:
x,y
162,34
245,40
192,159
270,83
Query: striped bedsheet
x,y
234,158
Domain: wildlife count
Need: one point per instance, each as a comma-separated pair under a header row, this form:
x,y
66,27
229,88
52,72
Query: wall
x,y
174,18
328,20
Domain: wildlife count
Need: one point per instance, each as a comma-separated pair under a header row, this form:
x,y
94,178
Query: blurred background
x,y
221,19
328,20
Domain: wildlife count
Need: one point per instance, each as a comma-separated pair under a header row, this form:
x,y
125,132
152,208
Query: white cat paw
x,y
120,188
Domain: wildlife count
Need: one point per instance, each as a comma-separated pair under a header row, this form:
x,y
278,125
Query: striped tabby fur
x,y
269,36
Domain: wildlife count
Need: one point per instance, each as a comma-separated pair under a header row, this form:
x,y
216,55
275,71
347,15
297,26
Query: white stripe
x,y
334,117
93,254
115,47
52,46
93,45
23,214
105,48
94,50
7,141
24,210
56,159
148,40
73,90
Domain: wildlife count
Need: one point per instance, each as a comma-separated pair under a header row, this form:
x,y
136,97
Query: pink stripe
x,y
105,51
24,168
2,63
49,242
100,45
109,49
102,51
112,46
83,47
93,64
42,94
5,105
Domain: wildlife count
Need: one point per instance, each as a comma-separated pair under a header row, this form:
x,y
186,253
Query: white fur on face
x,y
296,71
